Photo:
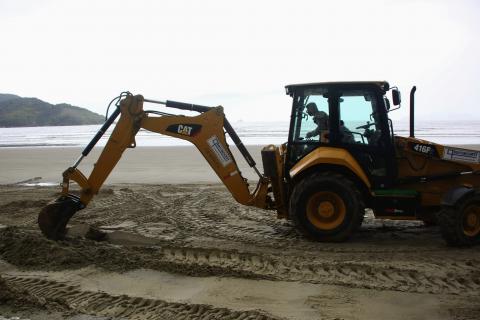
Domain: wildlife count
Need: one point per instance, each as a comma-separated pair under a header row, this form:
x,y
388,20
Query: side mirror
x,y
396,96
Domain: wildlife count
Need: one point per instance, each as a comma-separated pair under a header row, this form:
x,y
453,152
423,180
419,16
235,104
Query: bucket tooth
x,y
53,218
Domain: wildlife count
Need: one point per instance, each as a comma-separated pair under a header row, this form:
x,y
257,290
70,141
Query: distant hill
x,y
16,111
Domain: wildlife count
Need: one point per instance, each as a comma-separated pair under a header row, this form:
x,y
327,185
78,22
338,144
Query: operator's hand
x,y
308,135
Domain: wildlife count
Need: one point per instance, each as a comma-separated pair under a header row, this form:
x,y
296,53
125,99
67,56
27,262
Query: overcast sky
x,y
241,54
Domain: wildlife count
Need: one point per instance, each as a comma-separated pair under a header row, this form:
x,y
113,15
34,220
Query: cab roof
x,y
381,84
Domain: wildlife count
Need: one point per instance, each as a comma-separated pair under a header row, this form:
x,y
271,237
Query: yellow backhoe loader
x,y
341,157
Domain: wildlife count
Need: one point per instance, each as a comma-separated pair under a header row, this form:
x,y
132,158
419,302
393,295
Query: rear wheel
x,y
326,207
460,224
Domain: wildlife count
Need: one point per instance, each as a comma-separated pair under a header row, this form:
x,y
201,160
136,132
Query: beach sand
x,y
138,165
179,247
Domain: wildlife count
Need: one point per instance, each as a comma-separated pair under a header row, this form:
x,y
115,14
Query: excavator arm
x,y
206,131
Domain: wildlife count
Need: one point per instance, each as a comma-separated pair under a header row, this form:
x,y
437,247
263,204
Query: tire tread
x,y
335,178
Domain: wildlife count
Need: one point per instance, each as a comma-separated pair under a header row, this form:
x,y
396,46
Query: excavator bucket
x,y
54,217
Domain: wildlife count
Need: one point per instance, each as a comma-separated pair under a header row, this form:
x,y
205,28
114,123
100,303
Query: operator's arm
x,y
313,133
321,121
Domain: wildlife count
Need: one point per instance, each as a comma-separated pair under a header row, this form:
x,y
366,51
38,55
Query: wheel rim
x,y
326,210
471,220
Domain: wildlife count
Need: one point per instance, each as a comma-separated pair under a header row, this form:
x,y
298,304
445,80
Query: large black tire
x,y
460,224
326,206
361,217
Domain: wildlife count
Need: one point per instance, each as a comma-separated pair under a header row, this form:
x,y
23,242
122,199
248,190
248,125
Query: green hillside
x,y
16,111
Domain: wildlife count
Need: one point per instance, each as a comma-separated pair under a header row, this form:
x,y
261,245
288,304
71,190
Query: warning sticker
x,y
222,154
461,155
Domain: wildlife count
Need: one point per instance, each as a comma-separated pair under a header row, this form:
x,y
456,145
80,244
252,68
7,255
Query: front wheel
x,y
326,206
460,224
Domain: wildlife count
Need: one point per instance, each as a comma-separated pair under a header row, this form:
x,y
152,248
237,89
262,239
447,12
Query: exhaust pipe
x,y
412,112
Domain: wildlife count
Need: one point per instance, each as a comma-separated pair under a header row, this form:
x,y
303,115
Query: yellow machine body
x,y
322,186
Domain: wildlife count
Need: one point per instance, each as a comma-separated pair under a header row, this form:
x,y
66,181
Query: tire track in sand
x,y
351,274
178,212
121,306
16,245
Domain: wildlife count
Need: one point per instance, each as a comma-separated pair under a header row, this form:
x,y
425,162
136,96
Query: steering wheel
x,y
366,126
306,139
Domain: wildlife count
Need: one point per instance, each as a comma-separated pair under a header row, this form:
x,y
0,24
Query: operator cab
x,y
347,115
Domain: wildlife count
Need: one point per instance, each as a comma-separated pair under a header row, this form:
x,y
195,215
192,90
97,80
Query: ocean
x,y
251,133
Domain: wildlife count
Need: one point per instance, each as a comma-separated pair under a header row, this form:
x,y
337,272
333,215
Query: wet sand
x,y
138,165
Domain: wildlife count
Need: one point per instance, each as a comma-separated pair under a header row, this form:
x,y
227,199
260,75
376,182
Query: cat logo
x,y
185,130
189,130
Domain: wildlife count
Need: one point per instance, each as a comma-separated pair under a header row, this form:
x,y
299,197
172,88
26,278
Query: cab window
x,y
311,123
312,120
358,119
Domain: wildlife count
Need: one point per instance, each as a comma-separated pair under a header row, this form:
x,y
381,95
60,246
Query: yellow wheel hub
x,y
471,220
326,210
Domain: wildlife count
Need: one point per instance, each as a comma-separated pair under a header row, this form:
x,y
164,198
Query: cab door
x,y
360,126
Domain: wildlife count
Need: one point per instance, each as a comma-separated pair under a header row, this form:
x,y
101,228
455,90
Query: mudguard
x,y
454,195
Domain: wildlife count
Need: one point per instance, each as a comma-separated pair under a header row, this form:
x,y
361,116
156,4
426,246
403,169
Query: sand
x,y
138,165
187,250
